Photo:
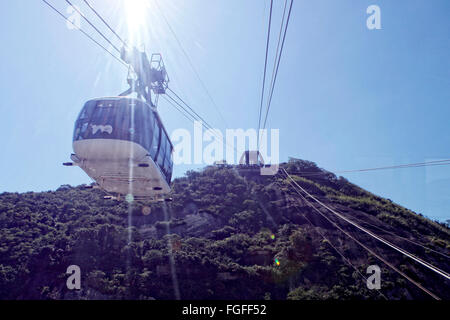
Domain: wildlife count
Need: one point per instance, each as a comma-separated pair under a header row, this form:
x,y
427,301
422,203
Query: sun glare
x,y
136,19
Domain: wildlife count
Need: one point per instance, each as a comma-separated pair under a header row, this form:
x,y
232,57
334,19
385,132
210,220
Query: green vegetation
x,y
226,235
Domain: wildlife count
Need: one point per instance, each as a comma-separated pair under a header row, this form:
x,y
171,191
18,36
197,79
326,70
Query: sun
x,y
136,19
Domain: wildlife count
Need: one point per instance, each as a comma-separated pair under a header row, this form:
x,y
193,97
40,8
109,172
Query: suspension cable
x,y
103,20
278,64
393,246
190,63
347,260
84,33
265,70
205,124
193,114
361,244
277,51
184,113
402,238
187,105
92,25
410,165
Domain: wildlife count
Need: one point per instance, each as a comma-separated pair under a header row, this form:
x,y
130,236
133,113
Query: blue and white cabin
x,y
121,143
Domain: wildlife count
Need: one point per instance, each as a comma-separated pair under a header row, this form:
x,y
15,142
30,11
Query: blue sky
x,y
346,97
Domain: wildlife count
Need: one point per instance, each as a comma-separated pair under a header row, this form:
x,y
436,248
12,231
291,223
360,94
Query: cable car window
x,y
131,115
155,140
162,149
168,148
139,124
118,132
147,127
167,164
82,122
123,126
151,127
166,154
102,120
87,110
161,155
81,131
169,174
103,113
76,133
169,159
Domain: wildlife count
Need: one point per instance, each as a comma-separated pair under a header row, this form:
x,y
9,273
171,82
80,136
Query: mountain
x,y
228,234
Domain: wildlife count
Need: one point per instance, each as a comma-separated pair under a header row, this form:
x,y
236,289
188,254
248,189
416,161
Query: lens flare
x,y
136,19
129,198
146,210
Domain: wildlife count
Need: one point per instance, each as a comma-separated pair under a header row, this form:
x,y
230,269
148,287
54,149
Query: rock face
x,y
227,235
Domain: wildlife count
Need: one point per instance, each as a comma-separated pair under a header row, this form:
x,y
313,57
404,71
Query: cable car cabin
x,y
120,142
250,162
251,159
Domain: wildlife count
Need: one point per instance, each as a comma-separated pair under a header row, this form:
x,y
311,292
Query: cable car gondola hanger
x,y
145,76
120,142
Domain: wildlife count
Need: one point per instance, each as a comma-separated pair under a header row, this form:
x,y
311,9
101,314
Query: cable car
x,y
121,143
251,158
252,162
